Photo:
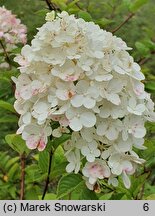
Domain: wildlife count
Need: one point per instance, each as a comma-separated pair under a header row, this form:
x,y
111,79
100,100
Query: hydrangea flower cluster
x,y
11,29
83,78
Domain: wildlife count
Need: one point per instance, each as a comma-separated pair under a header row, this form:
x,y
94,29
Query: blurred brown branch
x,y
52,6
123,23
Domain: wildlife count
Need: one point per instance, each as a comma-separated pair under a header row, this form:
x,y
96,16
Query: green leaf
x,y
136,184
117,196
48,196
103,22
150,86
70,5
42,12
106,196
58,170
142,48
87,194
85,15
137,4
67,184
8,119
7,106
31,192
127,3
43,161
34,174
58,141
13,171
17,143
59,163
150,197
11,162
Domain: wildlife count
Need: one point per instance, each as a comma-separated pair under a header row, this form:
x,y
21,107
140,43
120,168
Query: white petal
x,y
92,180
88,119
85,150
89,102
75,124
62,94
114,98
101,129
90,158
70,167
112,133
119,70
97,152
126,180
139,132
27,118
106,77
77,100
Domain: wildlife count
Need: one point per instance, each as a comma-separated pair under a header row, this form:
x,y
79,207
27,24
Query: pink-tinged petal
x,y
41,146
32,142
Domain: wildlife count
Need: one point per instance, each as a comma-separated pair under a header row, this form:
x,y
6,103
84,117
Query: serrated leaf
x,y
43,161
58,141
137,183
117,196
106,196
59,163
48,196
87,194
11,162
58,170
85,15
17,143
7,106
67,184
12,172
137,4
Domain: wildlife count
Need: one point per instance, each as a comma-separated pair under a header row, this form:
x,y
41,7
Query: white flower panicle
x,y
83,78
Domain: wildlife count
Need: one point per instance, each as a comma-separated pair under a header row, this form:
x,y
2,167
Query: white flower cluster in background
x,y
83,78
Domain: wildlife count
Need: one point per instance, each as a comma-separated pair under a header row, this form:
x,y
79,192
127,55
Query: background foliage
x,y
133,20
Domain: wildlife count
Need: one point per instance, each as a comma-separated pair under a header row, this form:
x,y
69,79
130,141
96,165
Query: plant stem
x,y
123,23
52,6
22,181
48,175
6,54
